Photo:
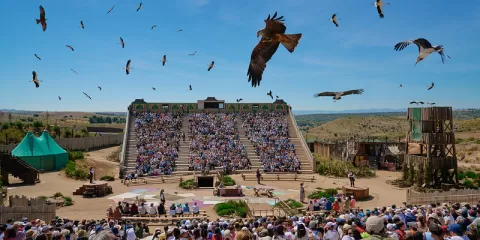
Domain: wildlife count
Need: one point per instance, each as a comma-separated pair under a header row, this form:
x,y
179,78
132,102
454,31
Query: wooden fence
x,y
31,208
87,143
455,196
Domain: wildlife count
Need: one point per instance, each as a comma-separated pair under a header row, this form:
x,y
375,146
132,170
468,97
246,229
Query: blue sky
x,y
358,54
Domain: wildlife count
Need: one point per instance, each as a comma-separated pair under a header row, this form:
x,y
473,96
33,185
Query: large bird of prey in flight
x,y
338,95
272,35
42,19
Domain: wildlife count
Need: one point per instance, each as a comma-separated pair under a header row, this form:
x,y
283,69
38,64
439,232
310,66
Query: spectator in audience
x,y
268,133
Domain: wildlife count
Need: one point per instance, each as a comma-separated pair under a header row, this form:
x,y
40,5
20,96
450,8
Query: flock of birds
x,y
271,37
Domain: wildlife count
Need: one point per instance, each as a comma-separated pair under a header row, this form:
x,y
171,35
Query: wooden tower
x,y
435,165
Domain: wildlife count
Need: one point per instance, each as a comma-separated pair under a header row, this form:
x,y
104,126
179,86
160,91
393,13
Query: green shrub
x,y
226,212
331,191
228,181
107,178
75,155
68,201
461,175
468,184
326,193
58,194
458,140
337,168
241,211
43,197
471,175
230,207
293,204
188,184
72,171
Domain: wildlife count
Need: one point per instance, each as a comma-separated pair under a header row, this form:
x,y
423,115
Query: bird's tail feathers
x,y
38,21
289,41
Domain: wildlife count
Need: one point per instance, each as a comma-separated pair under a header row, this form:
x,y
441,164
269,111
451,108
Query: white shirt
x,y
196,209
331,235
131,234
152,210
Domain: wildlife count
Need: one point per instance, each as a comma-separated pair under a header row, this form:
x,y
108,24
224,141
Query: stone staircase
x,y
184,147
254,159
131,147
302,156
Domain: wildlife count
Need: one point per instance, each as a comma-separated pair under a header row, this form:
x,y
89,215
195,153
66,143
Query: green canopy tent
x,y
42,152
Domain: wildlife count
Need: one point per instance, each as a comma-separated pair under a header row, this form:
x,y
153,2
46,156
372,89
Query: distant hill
x,y
16,111
306,121
373,110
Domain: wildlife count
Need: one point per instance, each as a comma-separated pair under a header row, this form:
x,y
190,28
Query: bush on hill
x,y
232,207
72,171
75,155
337,168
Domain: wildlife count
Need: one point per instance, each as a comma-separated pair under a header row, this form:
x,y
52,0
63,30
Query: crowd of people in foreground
x,y
215,142
430,222
268,132
158,136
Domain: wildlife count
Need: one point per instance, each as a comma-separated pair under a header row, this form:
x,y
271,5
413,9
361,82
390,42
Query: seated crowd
x,y
158,137
143,209
215,142
268,133
430,222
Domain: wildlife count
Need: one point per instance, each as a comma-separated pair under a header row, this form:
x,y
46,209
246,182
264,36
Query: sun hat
x,y
374,224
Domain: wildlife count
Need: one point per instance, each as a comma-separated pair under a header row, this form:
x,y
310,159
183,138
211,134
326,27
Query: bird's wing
x,y
139,6
401,45
421,102
34,75
111,9
334,16
442,55
413,102
422,42
356,91
261,54
128,63
379,9
325,94
42,12
274,24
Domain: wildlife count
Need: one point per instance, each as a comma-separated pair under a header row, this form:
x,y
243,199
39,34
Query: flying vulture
x,y
240,99
431,86
154,26
154,89
42,19
81,25
164,60
419,102
122,42
110,9
212,64
190,87
379,5
139,6
35,79
272,35
334,19
70,47
37,56
99,88
338,95
73,71
180,30
87,95
270,94
59,98
127,68
425,48
192,54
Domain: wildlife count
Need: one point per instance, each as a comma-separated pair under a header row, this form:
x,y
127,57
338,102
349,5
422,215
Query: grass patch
x,y
231,207
73,171
107,178
228,181
325,193
293,204
75,155
187,184
336,168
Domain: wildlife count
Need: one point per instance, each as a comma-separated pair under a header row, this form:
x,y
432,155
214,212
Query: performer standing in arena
x,y
351,176
259,175
162,197
90,174
302,192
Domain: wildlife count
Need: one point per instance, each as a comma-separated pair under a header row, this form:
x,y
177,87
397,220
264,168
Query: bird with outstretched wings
x,y
272,35
139,6
338,95
154,26
37,56
99,88
270,94
211,65
73,71
35,79
240,99
334,19
70,47
87,95
42,19
81,25
164,60
431,86
379,4
122,42
110,9
127,67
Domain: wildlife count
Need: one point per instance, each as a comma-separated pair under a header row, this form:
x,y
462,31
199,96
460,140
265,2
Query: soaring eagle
x,y
42,19
338,95
272,35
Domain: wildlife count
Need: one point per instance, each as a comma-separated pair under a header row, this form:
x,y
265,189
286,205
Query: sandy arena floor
x,y
381,192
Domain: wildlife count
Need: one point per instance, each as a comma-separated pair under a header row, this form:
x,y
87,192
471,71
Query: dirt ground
x,y
381,192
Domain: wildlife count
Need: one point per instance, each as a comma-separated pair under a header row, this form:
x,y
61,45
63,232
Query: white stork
x,y
379,5
70,47
154,26
164,60
211,65
425,48
414,102
139,6
431,103
127,67
110,9
431,86
334,19
122,42
81,25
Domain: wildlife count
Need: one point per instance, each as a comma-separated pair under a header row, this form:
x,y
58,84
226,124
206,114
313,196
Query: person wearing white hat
x,y
331,232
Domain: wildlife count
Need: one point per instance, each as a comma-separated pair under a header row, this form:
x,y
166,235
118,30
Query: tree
x,y
9,117
85,132
5,126
19,125
115,119
57,131
67,133
37,125
108,120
